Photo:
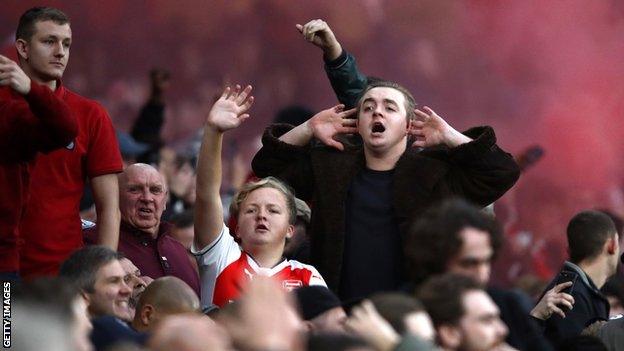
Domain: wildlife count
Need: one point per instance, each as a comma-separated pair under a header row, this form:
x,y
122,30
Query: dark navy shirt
x,y
373,259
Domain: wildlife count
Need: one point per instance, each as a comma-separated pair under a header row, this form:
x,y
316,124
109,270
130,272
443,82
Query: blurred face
x,y
475,256
142,197
263,219
481,327
382,120
111,293
45,55
420,324
132,278
331,321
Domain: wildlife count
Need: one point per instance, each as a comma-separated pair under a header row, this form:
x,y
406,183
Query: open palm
x,y
230,110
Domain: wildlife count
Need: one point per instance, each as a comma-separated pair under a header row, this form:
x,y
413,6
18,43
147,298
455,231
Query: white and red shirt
x,y
224,268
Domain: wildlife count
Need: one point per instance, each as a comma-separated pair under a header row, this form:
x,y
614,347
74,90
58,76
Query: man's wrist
x,y
308,128
332,52
211,128
535,314
27,88
453,138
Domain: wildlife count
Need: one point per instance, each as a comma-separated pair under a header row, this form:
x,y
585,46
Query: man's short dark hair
x,y
26,25
434,238
394,307
82,266
443,297
588,231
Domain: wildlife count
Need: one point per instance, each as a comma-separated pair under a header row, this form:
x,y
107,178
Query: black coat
x,y
479,171
524,333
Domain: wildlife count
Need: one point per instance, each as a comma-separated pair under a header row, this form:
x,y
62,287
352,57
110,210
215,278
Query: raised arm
x,y
479,170
227,113
345,78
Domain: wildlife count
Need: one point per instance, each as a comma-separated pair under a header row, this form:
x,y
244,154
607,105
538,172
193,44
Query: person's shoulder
x,y
295,265
85,102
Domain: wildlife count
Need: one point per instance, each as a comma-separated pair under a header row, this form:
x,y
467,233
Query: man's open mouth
x,y
262,227
378,127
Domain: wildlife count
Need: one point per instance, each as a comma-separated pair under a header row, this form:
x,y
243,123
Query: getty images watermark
x,y
6,314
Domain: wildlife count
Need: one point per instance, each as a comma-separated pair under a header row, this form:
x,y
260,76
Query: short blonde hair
x,y
268,182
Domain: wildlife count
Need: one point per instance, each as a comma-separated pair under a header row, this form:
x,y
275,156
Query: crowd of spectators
x,y
366,226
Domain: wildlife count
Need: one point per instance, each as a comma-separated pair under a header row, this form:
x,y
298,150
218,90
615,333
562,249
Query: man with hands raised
x,y
365,195
265,212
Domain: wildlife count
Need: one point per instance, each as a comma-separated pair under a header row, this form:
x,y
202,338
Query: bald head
x,y
189,333
142,197
139,168
164,297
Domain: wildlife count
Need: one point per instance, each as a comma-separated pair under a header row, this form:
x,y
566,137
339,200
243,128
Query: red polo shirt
x,y
39,121
51,224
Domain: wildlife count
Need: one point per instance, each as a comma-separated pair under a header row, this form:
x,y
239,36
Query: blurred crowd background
x,y
545,74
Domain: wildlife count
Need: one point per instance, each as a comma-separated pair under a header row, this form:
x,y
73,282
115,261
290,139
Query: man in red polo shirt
x,y
51,225
32,119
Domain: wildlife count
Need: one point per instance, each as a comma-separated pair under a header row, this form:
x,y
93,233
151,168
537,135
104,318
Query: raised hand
x,y
12,75
329,123
230,110
318,33
551,302
430,130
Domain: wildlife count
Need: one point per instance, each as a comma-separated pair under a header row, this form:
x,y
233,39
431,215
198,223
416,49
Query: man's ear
x,y
612,245
86,297
449,336
147,314
22,48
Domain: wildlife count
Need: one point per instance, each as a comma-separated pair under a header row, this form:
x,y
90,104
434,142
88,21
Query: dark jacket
x,y
524,334
589,305
612,334
478,171
346,79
